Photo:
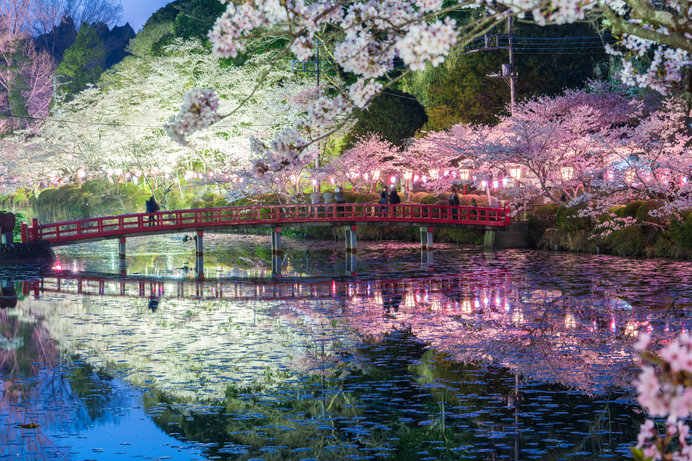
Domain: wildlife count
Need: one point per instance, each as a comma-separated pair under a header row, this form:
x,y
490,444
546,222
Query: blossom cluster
x,y
664,390
199,110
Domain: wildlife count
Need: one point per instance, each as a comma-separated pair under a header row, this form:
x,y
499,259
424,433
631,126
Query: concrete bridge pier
x,y
277,253
351,263
427,260
199,254
351,241
277,263
276,241
122,255
426,238
489,240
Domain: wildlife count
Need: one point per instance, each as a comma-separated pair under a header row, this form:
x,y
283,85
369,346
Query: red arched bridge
x,y
274,217
268,216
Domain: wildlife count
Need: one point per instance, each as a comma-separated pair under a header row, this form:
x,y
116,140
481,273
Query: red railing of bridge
x,y
263,215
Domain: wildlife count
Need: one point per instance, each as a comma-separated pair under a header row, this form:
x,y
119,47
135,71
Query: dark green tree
x,y
79,66
14,86
196,17
393,114
461,91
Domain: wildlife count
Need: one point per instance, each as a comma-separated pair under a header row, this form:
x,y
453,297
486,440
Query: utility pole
x,y
508,72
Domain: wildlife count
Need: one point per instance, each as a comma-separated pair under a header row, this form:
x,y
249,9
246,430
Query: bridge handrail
x,y
120,225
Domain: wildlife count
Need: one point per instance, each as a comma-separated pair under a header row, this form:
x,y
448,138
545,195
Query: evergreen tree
x,y
394,115
79,65
461,91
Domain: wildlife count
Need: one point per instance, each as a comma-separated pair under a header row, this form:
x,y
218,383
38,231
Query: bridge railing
x,y
208,218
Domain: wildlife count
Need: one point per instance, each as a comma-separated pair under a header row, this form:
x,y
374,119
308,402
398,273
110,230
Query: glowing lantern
x,y
629,176
515,172
567,173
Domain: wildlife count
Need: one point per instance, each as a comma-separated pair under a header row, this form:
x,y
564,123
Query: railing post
x,y
25,232
34,226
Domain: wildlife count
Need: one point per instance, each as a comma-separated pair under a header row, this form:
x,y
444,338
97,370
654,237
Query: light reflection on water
x,y
510,355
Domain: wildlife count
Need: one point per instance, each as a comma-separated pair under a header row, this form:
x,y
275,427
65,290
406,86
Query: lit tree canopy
x,y
369,37
115,129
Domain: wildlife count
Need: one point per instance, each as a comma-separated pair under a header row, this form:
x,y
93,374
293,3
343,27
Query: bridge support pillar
x,y
276,241
426,238
277,253
277,262
122,255
351,263
489,240
351,241
426,260
199,254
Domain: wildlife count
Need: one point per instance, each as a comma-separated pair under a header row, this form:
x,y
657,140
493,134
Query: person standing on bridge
x,y
339,199
454,202
152,207
383,201
394,199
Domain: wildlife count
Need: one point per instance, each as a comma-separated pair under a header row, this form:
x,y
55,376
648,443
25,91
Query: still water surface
x,y
457,354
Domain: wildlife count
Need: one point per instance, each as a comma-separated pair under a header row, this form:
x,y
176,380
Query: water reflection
x,y
524,356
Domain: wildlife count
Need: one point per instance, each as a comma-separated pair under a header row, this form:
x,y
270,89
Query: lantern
x,y
567,173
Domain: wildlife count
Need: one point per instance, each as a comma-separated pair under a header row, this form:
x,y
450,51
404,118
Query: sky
x,y
136,12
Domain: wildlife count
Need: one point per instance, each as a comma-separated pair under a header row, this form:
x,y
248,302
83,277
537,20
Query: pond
x,y
393,354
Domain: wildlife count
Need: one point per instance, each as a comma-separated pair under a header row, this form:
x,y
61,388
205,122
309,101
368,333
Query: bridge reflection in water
x,y
580,341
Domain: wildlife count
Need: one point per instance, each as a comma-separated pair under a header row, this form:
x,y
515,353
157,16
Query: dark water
x,y
456,354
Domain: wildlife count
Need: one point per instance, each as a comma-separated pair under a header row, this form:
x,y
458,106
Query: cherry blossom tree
x,y
552,140
437,157
25,85
649,160
664,391
367,37
365,162
114,129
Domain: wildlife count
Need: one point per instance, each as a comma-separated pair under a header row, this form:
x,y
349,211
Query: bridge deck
x,y
220,219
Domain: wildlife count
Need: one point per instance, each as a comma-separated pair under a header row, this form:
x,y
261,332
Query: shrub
x,y
568,220
643,212
632,240
629,210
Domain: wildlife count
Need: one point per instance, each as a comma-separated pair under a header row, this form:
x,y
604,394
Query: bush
x,y
632,241
567,220
680,232
546,216
629,210
643,212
